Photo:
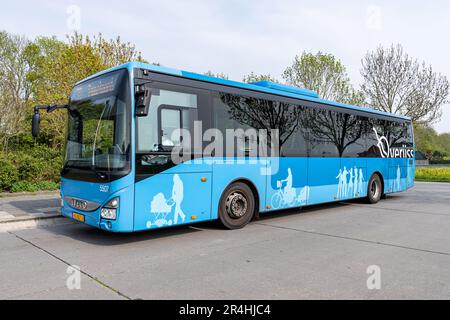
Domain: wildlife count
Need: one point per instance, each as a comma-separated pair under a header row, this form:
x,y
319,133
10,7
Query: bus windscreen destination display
x,y
101,85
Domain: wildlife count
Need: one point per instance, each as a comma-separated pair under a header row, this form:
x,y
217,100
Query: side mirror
x,y
35,124
142,97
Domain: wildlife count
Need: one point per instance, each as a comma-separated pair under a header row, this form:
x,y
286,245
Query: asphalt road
x,y
319,253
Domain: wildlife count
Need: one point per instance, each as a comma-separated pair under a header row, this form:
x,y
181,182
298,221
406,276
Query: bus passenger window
x,y
172,109
170,122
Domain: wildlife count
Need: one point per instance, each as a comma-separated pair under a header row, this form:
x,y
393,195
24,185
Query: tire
x,y
374,189
237,206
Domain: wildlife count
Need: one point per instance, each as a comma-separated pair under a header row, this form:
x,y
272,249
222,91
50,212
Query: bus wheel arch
x,y
382,181
240,191
252,186
383,191
375,188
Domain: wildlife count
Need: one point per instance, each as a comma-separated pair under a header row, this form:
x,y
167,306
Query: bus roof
x,y
261,86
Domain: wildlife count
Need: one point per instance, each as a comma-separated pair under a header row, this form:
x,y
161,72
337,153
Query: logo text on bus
x,y
387,151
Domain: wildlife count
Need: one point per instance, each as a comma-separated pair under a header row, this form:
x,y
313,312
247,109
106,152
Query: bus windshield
x,y
98,128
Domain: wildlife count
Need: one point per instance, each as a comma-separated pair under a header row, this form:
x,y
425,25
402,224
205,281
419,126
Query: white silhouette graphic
x,y
355,187
344,182
161,207
177,197
396,183
303,196
410,178
287,196
159,204
350,184
289,192
351,187
340,184
360,182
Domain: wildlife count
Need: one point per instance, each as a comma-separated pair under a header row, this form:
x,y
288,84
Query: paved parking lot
x,y
321,252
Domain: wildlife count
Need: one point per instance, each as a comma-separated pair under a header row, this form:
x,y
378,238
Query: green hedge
x,y
443,161
37,168
26,186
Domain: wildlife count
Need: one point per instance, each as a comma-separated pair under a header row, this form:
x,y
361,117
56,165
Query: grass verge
x,y
433,174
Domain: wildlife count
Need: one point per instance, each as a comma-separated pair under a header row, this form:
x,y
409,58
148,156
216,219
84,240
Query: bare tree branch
x,y
396,83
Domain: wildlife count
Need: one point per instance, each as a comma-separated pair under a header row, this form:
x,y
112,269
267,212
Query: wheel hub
x,y
236,205
374,189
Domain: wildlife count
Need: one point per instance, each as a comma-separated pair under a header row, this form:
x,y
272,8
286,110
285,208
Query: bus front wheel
x,y
374,189
237,206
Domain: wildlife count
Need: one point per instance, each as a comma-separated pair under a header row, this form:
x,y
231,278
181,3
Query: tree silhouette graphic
x,y
265,114
340,129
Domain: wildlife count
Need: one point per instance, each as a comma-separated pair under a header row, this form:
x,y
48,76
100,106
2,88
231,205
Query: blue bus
x,y
151,147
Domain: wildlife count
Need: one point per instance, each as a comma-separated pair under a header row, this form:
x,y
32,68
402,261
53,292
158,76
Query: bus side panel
x,y
398,172
410,173
356,171
325,180
181,195
287,186
226,171
378,165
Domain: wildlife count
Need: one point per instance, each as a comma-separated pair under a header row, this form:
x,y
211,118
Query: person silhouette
x,y
409,179
344,181
288,190
303,195
350,184
355,186
398,187
361,182
340,184
177,197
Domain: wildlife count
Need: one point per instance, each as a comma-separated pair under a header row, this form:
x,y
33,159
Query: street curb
x,y
21,194
31,223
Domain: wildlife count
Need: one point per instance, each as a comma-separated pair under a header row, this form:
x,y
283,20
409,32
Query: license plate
x,y
78,217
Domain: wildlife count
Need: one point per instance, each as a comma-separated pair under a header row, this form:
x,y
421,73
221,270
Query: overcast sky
x,y
237,37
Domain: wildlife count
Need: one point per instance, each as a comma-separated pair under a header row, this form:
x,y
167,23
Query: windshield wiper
x,y
98,173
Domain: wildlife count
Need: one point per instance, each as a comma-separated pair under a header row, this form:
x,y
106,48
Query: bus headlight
x,y
109,211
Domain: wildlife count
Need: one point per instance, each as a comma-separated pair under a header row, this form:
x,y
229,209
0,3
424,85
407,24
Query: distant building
x,y
421,159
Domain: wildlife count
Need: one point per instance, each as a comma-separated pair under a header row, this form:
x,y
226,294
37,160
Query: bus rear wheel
x,y
374,189
237,206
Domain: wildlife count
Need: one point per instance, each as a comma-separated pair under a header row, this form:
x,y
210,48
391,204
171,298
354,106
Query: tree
x,y
14,85
444,142
220,75
434,145
326,127
265,115
113,52
56,72
396,83
59,66
252,77
324,74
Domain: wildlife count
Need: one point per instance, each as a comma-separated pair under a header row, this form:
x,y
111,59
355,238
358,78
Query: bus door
x,y
324,162
171,190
